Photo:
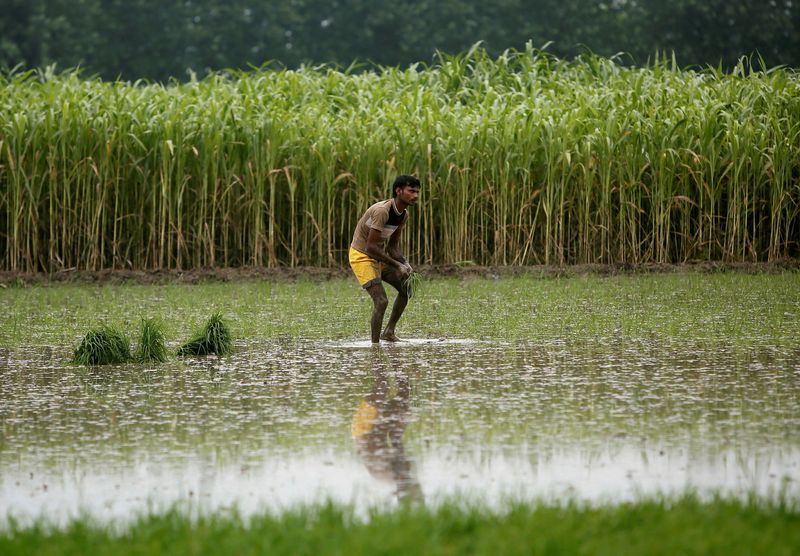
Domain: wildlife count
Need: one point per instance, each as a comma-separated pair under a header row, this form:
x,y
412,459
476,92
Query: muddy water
x,y
288,422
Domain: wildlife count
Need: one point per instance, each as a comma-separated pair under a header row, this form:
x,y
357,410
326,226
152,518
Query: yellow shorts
x,y
364,419
367,270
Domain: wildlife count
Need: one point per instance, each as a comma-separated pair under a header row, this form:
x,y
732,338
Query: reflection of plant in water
x,y
378,426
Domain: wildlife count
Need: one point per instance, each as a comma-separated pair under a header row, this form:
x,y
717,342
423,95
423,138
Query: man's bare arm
x,y
393,246
375,251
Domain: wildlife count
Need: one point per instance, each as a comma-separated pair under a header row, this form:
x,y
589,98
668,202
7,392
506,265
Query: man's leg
x,y
393,277
379,302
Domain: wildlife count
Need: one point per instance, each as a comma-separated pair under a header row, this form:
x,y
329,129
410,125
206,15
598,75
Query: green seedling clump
x,y
105,345
412,284
152,347
215,337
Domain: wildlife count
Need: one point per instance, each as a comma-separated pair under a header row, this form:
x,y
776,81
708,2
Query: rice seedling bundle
x,y
413,284
524,158
214,338
152,342
105,345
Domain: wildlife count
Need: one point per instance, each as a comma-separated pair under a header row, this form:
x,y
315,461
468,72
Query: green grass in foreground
x,y
685,526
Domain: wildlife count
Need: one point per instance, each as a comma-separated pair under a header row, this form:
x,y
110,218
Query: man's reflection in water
x,y
378,426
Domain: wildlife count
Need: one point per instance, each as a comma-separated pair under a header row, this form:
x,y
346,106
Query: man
x,y
375,254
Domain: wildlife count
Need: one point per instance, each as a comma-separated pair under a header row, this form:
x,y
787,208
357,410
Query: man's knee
x,y
398,282
381,302
379,298
404,290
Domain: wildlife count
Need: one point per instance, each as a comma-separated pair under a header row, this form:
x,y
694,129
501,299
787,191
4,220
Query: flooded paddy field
x,y
597,389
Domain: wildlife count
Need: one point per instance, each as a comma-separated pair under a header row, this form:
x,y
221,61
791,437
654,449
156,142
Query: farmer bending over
x,y
375,254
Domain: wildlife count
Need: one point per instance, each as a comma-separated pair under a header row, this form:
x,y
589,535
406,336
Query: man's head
x,y
401,182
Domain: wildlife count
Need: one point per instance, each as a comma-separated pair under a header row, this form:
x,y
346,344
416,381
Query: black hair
x,y
403,181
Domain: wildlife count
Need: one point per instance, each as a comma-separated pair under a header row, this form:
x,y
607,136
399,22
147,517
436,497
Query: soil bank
x,y
199,275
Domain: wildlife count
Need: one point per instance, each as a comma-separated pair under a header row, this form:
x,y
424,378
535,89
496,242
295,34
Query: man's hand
x,y
405,270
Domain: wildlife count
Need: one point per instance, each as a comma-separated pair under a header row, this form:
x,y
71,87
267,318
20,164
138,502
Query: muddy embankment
x,y
197,275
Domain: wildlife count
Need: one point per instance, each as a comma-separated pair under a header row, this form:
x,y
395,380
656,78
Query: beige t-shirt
x,y
381,216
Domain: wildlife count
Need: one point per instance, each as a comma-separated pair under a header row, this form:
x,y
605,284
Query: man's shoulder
x,y
379,207
385,204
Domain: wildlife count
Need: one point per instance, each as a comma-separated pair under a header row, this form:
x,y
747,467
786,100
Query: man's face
x,y
408,194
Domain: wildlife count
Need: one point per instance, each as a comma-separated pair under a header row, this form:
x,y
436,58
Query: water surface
x,y
284,422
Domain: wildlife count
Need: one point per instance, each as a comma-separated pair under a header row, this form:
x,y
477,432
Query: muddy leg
x,y
398,282
379,302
